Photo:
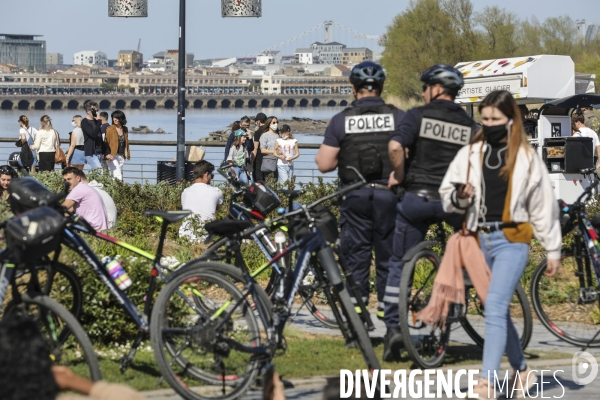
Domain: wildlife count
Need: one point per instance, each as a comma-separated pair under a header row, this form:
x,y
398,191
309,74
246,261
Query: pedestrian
x,y
591,120
367,213
267,141
117,141
45,143
84,200
581,130
202,199
421,173
243,123
238,154
91,130
508,198
100,140
287,152
257,156
6,175
76,153
27,135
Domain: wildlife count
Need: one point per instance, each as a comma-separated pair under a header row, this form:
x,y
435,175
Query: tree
x,y
530,37
423,35
559,36
501,31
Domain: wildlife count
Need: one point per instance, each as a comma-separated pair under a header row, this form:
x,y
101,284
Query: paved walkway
x,y
542,340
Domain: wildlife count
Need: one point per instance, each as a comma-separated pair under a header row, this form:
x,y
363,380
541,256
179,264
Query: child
x,y
238,155
287,151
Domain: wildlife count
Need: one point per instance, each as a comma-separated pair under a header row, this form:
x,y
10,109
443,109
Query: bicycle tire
x,y
358,330
58,347
231,272
429,349
548,299
67,291
476,332
237,383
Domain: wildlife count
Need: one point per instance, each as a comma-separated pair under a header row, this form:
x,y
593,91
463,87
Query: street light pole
x,y
181,96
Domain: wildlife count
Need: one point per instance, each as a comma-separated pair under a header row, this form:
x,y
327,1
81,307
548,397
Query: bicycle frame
x,y
311,243
587,235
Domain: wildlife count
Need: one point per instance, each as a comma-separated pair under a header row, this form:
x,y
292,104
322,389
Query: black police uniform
x,y
433,134
362,133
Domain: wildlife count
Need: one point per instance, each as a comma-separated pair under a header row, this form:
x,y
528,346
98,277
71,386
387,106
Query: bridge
x,y
141,101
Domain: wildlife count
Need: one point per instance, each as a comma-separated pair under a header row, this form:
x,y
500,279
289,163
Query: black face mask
x,y
494,134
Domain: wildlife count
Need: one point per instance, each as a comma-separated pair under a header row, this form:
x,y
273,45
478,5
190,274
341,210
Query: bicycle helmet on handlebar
x,y
447,76
367,74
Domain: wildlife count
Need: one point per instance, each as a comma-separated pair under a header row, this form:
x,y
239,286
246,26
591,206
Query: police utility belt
x,y
425,191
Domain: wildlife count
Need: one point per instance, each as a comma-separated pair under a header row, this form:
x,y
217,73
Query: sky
x,y
70,26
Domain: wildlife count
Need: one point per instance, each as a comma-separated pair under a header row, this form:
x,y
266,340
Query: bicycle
x,y
567,304
53,320
222,340
71,239
427,345
311,290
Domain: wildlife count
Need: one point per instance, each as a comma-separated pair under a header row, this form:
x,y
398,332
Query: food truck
x,y
548,81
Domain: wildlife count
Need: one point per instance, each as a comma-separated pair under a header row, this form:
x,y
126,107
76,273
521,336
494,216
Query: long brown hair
x,y
268,123
503,101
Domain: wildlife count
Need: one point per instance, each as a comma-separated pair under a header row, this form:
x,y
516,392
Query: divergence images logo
x,y
585,368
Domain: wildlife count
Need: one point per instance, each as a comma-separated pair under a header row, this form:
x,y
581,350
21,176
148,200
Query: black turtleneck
x,y
495,186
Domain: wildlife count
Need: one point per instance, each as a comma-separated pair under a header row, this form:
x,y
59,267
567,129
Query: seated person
x,y
26,370
109,203
201,199
84,200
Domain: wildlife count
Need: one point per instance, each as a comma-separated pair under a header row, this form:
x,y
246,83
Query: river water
x,y
199,123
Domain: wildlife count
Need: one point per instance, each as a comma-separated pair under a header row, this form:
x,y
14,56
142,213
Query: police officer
x,y
421,151
358,137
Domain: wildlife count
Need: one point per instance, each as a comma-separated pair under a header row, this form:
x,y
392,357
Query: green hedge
x,y
104,319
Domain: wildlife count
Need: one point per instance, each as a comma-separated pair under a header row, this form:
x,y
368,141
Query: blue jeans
x,y
285,172
93,162
242,175
507,261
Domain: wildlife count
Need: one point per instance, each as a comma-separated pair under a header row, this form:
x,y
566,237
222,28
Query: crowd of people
x,y
95,140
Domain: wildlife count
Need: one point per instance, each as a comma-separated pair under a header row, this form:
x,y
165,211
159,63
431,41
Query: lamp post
x,y
139,8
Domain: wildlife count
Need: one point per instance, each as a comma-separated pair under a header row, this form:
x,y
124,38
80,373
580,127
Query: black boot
x,y
392,345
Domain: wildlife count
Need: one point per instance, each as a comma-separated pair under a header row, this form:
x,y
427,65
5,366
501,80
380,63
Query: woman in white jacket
x,y
507,199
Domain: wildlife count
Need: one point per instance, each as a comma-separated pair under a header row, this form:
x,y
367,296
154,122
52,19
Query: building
x,y
130,60
285,84
91,58
351,55
305,56
269,57
329,53
24,51
54,59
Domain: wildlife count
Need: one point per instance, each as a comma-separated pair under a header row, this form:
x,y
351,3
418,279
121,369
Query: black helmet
x,y
367,73
446,75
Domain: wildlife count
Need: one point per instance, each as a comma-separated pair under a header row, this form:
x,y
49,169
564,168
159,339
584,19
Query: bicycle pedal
x,y
125,363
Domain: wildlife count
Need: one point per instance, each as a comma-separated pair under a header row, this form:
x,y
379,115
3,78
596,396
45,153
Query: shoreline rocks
x,y
145,129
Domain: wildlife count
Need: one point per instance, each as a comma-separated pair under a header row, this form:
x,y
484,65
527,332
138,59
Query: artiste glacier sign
x,y
477,87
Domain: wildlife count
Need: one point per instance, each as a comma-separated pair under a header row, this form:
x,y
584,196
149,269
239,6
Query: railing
x,y
145,155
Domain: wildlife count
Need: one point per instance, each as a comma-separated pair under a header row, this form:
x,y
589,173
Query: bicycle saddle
x,y
291,193
169,216
226,227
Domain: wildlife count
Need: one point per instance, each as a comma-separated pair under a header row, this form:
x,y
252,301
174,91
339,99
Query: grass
x,y
308,355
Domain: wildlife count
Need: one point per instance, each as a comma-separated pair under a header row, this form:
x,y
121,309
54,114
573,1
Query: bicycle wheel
x,y
198,361
426,345
57,281
230,272
520,313
76,351
560,306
